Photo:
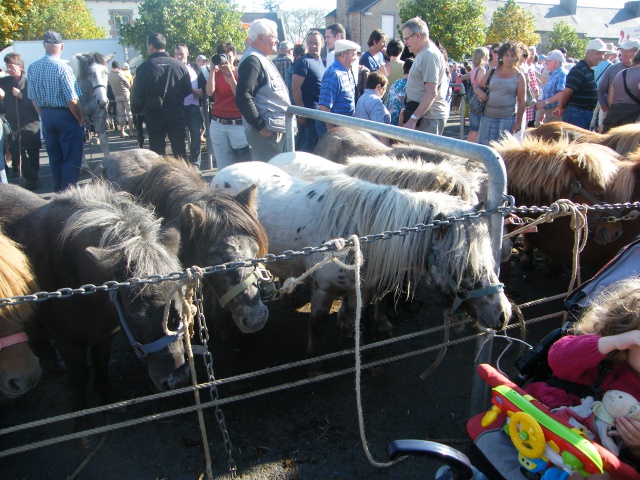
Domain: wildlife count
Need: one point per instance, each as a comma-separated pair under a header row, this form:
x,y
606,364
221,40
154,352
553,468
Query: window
x,y
116,19
388,26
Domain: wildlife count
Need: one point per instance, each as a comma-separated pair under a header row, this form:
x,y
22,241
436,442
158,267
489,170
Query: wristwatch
x,y
413,116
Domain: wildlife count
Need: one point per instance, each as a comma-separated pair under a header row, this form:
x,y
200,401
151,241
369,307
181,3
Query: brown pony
x,y
540,172
623,139
19,368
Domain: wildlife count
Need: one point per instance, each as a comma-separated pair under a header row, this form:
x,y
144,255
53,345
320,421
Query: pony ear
x,y
247,197
442,229
191,219
170,236
81,56
109,57
103,260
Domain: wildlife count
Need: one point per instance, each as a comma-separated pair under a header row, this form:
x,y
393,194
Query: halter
x,y
14,339
462,294
262,280
142,350
577,188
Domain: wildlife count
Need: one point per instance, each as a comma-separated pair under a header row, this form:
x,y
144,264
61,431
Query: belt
x,y
227,121
54,108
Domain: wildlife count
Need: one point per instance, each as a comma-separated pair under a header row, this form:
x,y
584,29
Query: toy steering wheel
x,y
527,435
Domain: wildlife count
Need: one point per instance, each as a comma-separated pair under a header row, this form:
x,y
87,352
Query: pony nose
x,y
102,103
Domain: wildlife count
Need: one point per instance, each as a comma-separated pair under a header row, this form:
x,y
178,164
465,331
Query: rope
x,y
291,283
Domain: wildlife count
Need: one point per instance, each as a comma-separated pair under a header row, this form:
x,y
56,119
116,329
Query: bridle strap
x,y
142,350
258,276
14,339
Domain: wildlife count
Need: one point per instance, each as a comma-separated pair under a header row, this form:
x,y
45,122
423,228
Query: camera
x,y
219,59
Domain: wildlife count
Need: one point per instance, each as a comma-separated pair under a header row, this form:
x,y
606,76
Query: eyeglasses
x,y
407,38
495,51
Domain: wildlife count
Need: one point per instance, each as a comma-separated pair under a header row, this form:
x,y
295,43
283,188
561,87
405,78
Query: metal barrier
x,y
496,188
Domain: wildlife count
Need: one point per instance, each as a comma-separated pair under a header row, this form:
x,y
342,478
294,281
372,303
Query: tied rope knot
x,y
334,256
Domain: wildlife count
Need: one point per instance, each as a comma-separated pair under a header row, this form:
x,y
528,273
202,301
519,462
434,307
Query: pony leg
x,y
321,303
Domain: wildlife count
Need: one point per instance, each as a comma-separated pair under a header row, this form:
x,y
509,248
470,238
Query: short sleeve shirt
x,y
583,83
338,91
429,67
312,70
52,83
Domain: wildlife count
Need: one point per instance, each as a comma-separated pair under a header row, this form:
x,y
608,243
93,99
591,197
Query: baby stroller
x,y
536,444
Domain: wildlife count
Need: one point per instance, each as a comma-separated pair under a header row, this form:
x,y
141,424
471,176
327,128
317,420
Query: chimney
x,y
633,7
570,5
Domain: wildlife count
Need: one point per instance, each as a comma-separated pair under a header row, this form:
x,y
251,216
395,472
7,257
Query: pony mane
x,y
623,139
16,278
353,206
170,183
446,176
554,131
124,226
544,170
624,183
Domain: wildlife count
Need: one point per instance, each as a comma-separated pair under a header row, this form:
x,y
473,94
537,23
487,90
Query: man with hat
x,y
427,108
609,56
338,89
552,90
627,50
55,94
580,96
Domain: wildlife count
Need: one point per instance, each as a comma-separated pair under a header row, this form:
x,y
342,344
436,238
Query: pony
x,y
215,227
446,176
457,256
341,143
92,74
541,172
623,139
19,367
90,235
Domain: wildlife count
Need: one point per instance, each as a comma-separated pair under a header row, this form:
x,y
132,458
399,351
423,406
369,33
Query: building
x,y
361,17
110,14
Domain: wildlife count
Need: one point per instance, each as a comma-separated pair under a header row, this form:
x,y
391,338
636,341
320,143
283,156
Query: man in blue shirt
x,y
556,81
338,91
305,88
54,91
373,58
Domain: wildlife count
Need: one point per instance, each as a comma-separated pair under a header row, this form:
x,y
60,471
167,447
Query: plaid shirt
x,y
555,83
52,83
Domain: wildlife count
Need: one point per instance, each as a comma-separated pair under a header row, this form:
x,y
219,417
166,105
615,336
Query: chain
x,y
213,389
504,211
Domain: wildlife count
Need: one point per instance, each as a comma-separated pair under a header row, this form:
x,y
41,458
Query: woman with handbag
x,y
624,97
505,100
479,58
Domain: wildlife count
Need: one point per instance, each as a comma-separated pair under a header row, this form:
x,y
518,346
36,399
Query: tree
x,y
272,5
299,22
30,19
201,24
457,25
564,35
512,22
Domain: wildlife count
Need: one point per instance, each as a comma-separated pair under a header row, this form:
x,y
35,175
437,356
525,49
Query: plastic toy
x,y
537,435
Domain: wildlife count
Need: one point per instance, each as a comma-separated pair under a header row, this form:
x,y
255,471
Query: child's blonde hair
x,y
615,310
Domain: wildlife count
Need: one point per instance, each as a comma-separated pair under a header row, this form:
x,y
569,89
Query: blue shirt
x,y
585,91
396,99
599,69
370,107
556,82
371,62
52,83
312,69
338,91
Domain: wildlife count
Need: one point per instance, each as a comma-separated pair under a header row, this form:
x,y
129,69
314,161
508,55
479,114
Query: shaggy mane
x,y
16,278
544,170
623,139
355,206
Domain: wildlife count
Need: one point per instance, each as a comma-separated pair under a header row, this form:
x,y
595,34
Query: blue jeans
x,y
64,140
193,119
580,117
308,135
321,129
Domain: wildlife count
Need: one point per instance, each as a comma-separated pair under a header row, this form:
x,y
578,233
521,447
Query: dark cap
x,y
52,38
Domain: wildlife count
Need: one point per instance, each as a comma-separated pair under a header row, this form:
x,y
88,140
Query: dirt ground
x,y
306,432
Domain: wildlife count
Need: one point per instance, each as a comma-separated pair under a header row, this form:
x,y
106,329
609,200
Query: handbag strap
x,y
166,84
486,85
626,88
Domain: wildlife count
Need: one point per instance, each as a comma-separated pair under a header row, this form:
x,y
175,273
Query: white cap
x,y
597,45
344,45
555,55
611,49
629,44
125,66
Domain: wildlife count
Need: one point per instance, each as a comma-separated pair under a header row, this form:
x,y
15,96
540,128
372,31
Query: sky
x,y
257,5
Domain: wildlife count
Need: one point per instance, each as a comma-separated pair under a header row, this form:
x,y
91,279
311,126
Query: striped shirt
x,y
52,83
338,91
583,83
555,83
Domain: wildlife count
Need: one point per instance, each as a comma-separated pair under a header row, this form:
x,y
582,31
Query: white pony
x,y
297,214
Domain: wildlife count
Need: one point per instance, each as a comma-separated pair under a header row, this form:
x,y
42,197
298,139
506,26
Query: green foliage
x,y
29,19
300,21
201,24
272,5
512,22
458,25
564,35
